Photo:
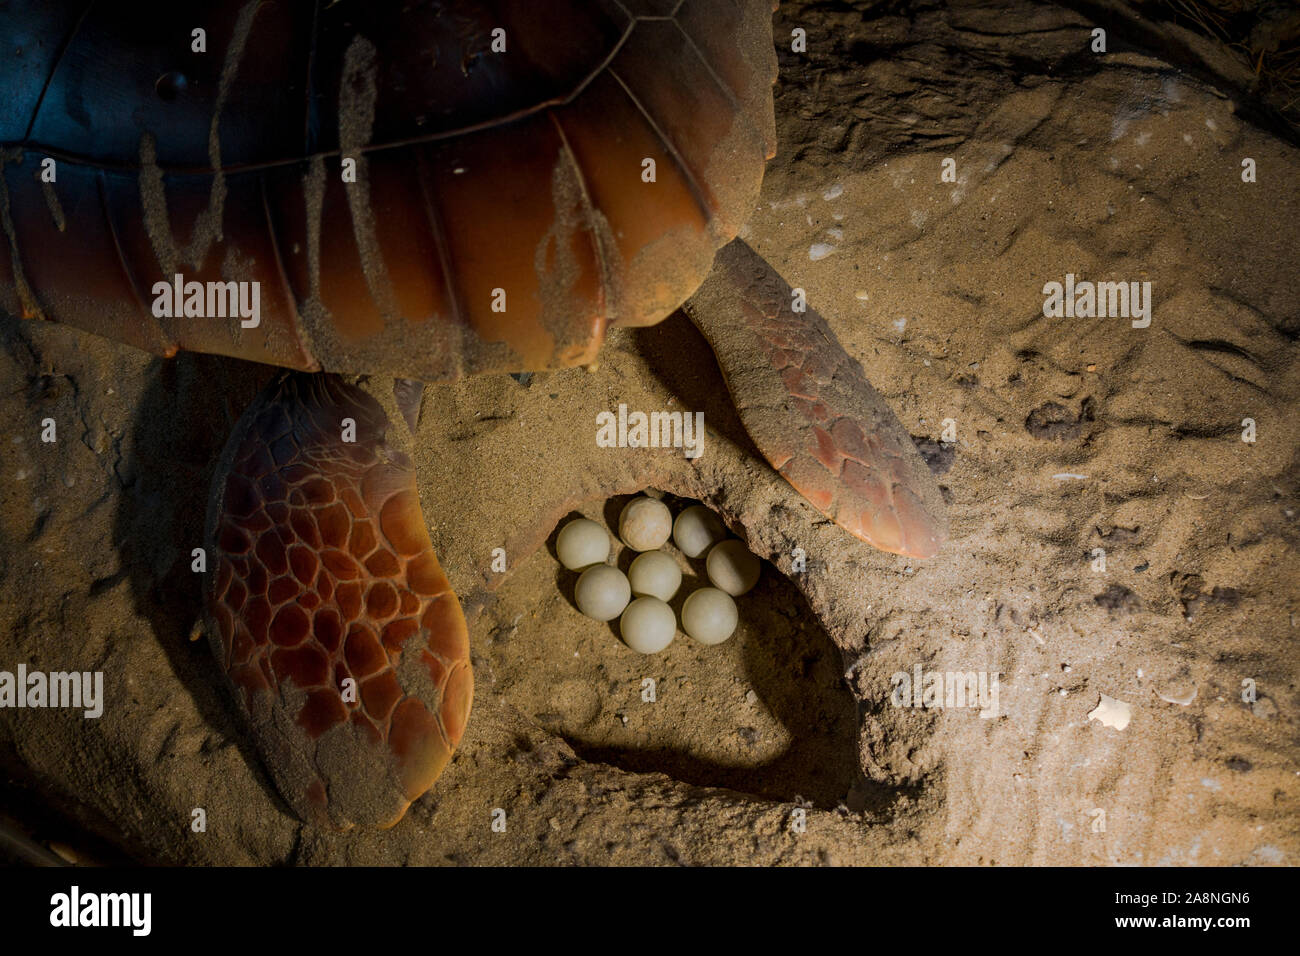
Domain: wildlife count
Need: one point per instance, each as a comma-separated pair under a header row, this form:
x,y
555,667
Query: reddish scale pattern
x,y
338,586
864,481
817,419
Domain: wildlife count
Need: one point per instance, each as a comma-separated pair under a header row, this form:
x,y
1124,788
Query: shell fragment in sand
x,y
1185,699
1112,713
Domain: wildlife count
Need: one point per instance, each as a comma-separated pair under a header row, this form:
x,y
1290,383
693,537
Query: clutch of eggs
x,y
640,598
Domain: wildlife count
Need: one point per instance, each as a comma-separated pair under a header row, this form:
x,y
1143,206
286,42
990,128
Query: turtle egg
x,y
709,616
648,625
602,592
655,574
732,568
645,524
582,543
696,528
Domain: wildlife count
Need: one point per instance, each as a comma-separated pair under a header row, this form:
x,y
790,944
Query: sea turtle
x,y
419,190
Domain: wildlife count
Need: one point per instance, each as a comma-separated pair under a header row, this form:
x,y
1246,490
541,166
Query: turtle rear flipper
x,y
340,636
811,411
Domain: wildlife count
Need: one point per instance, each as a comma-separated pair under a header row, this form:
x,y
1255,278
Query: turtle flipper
x,y
811,411
328,611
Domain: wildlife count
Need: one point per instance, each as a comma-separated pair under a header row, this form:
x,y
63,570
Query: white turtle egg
x,y
696,529
582,543
648,625
655,574
645,524
732,568
709,616
602,592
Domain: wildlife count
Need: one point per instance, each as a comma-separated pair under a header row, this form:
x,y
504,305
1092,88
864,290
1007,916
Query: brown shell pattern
x,y
482,178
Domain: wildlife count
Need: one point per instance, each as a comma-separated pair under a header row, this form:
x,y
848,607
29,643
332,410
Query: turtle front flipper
x,y
342,640
811,411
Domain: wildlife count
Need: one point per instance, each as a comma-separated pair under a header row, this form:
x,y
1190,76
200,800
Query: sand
x,y
782,746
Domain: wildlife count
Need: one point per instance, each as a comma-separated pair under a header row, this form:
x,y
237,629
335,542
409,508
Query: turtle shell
x,y
427,189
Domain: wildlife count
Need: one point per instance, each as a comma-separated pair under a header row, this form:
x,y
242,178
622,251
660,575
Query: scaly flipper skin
x,y
811,411
324,572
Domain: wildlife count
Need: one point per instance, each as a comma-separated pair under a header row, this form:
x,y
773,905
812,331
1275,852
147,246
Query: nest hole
x,y
766,713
